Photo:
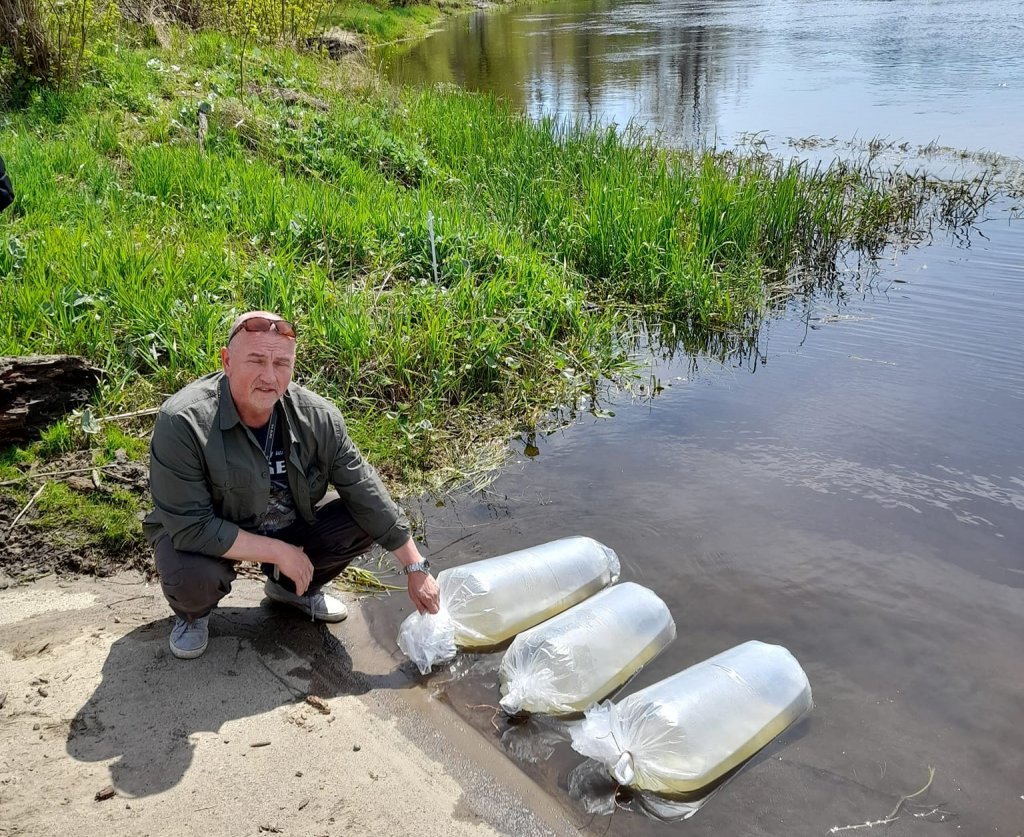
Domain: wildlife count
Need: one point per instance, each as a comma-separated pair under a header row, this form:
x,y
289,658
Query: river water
x,y
853,487
705,73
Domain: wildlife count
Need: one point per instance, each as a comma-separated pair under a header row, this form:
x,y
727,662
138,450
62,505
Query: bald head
x,y
265,321
258,363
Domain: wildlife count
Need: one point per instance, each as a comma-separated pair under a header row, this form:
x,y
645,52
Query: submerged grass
x,y
134,246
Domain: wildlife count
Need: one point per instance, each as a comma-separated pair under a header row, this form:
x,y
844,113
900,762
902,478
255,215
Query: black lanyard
x,y
268,443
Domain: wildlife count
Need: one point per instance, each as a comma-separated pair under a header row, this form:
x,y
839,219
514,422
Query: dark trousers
x,y
193,583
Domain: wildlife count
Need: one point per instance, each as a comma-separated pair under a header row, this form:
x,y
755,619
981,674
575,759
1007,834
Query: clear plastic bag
x,y
684,732
578,657
428,638
487,602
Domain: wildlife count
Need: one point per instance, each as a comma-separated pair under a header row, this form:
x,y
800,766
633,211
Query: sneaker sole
x,y
183,654
333,618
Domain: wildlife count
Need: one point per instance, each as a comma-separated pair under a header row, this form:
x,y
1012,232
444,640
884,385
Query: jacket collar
x,y
227,411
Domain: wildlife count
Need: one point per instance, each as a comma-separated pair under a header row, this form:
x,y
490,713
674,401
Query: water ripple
x,y
893,486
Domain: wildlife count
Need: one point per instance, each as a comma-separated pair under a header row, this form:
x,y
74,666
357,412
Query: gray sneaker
x,y
188,639
315,604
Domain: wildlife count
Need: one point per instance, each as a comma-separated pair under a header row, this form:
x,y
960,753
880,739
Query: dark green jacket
x,y
209,477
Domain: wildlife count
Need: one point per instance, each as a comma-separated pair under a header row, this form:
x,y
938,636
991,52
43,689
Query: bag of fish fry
x,y
567,663
684,732
487,602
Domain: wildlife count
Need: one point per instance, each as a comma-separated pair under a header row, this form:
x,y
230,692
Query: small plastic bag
x,y
486,602
576,658
428,638
684,732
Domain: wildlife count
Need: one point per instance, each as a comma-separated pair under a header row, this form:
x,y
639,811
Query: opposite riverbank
x,y
377,24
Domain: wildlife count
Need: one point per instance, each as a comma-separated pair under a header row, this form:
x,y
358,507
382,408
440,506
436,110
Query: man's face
x,y
258,366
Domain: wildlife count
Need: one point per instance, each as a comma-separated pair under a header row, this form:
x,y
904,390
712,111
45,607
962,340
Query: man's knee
x,y
192,583
335,538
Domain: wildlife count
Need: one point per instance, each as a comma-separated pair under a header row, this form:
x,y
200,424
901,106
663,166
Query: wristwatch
x,y
419,567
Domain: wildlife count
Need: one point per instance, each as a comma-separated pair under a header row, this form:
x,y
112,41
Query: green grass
x,y
380,23
108,521
73,524
131,246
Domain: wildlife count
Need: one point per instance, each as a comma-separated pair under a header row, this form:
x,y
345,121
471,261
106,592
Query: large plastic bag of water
x,y
686,731
564,665
487,602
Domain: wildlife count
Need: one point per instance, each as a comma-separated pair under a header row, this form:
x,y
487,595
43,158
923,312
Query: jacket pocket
x,y
317,482
234,493
228,479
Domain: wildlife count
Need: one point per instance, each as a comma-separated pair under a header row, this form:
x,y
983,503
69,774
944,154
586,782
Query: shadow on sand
x,y
149,704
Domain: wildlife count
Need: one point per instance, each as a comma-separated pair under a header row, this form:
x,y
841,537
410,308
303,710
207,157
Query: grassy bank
x,y
314,194
382,23
378,23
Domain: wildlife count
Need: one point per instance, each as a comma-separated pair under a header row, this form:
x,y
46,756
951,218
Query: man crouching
x,y
239,468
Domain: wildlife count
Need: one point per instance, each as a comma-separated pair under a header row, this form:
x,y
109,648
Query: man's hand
x,y
424,592
290,560
293,562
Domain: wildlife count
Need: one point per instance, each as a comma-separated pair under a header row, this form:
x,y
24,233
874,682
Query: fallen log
x,y
36,390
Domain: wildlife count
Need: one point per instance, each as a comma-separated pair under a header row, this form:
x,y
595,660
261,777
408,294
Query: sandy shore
x,y
283,726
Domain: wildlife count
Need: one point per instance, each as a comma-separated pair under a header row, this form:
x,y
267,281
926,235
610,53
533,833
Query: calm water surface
x,y
708,72
854,488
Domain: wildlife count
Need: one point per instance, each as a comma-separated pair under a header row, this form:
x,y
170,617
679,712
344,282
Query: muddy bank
x,y
283,726
79,517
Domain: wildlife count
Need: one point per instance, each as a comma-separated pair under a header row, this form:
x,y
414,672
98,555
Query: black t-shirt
x,y
280,511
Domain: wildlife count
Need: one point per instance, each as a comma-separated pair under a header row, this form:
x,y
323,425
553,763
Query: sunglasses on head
x,y
282,327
